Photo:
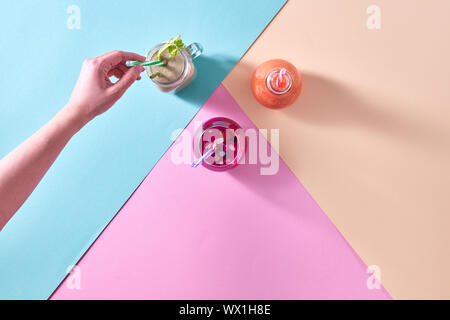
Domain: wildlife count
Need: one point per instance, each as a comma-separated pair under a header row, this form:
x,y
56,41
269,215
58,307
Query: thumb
x,y
127,80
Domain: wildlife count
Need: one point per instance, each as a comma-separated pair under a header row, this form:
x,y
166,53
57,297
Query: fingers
x,y
124,69
119,70
116,72
126,80
115,57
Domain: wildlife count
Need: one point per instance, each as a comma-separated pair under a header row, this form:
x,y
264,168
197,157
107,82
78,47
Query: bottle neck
x,y
279,81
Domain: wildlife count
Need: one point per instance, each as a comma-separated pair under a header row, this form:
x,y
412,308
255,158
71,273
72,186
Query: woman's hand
x,y
23,168
94,93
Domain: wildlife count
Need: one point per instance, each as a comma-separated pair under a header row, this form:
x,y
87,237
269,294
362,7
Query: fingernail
x,y
140,68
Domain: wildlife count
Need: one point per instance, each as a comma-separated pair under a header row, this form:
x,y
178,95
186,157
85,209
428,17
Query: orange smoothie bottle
x,y
276,83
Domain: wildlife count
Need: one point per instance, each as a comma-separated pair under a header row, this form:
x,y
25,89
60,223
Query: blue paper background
x,y
105,162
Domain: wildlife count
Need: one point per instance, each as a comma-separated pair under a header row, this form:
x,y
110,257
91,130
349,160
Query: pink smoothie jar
x,y
228,152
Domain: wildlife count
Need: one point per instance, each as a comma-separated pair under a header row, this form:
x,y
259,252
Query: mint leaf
x,y
173,50
179,43
173,46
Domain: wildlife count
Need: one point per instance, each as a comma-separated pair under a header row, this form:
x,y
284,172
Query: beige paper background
x,y
369,136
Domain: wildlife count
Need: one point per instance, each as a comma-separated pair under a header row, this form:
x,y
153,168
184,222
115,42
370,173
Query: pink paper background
x,y
196,234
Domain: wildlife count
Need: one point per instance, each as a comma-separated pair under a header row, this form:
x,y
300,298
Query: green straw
x,y
145,63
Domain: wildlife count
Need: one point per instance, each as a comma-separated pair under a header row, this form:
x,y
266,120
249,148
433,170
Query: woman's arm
x,y
23,168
